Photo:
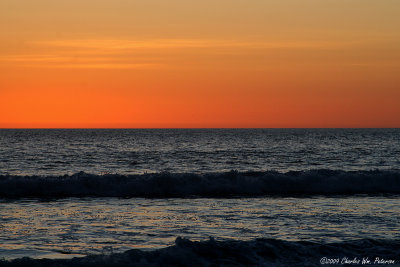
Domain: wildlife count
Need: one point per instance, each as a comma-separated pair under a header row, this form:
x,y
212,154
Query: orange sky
x,y
183,63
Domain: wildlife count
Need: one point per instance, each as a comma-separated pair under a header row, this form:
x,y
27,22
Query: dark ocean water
x,y
130,151
78,192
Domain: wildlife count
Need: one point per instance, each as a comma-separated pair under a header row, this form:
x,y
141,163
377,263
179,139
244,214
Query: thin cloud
x,y
106,66
82,62
35,58
125,54
107,44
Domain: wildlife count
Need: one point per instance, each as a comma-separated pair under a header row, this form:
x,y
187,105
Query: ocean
x,y
199,197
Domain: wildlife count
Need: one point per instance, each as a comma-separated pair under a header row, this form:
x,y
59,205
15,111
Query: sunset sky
x,y
209,63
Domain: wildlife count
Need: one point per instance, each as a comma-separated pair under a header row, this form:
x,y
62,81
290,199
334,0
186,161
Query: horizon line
x,y
182,128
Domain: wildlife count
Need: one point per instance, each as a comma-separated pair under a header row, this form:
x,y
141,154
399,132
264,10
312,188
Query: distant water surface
x,y
138,151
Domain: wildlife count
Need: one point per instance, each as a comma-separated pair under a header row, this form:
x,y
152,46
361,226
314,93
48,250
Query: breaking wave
x,y
259,252
229,184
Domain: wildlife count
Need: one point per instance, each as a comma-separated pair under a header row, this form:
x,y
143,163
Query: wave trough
x,y
228,184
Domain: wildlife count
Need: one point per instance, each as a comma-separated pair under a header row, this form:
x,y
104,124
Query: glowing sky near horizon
x,y
176,63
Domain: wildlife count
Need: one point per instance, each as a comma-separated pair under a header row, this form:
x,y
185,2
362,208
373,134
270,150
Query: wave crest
x,y
229,184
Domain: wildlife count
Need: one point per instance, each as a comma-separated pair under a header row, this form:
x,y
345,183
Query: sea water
x,y
79,192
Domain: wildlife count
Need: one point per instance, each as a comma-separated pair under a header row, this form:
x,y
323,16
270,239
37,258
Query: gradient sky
x,y
184,63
